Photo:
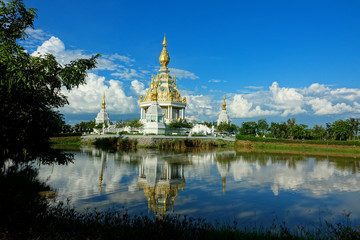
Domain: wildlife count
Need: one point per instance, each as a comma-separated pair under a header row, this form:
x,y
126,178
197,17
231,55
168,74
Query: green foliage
x,y
86,126
135,123
208,124
30,89
248,128
180,124
262,126
341,130
226,127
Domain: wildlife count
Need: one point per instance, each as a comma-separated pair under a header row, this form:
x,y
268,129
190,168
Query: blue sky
x,y
272,59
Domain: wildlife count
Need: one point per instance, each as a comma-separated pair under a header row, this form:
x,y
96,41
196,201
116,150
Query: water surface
x,y
251,188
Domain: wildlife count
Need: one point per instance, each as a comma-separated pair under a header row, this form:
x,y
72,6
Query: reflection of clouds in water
x,y
318,178
81,180
255,186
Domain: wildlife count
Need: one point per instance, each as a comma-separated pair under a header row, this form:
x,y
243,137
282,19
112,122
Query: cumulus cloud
x,y
288,100
239,107
183,74
200,106
138,87
88,98
57,48
349,94
323,107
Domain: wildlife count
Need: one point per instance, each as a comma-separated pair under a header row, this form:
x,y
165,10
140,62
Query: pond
x,y
250,188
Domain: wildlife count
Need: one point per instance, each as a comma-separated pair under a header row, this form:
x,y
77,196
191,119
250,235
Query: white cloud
x,y
128,74
183,74
200,106
349,94
289,100
124,59
138,87
254,87
316,89
88,98
36,34
239,107
214,80
57,48
323,107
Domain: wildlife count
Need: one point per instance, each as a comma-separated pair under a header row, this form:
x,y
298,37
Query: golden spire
x,y
103,103
100,181
223,182
224,104
164,58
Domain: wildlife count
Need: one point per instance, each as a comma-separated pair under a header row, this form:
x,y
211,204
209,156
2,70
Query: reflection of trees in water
x,y
291,160
22,196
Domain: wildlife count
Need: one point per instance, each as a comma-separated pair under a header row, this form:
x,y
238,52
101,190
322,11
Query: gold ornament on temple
x,y
103,102
224,104
164,58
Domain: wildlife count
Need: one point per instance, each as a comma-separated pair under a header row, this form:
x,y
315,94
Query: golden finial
x,y
164,41
103,103
224,104
164,58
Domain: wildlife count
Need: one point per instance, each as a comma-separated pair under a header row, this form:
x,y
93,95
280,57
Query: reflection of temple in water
x,y
161,182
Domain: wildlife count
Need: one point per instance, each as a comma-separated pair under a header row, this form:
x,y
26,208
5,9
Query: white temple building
x,y
103,116
162,93
223,117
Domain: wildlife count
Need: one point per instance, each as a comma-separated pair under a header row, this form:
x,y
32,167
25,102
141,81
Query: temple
x,y
162,103
223,117
103,116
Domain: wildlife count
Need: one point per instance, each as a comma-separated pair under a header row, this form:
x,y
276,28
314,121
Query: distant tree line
x,y
338,130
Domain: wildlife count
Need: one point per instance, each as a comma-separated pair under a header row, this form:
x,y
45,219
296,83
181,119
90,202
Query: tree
x,y
226,127
135,123
180,124
354,127
208,124
341,129
120,124
263,126
30,90
86,126
249,128
318,132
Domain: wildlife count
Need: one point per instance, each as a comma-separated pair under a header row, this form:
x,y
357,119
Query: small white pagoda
x,y
223,117
103,116
162,93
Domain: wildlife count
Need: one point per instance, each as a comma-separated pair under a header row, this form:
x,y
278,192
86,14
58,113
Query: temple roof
x,y
163,87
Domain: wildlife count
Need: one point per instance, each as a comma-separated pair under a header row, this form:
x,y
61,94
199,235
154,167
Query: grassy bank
x,y
186,144
297,141
66,142
298,147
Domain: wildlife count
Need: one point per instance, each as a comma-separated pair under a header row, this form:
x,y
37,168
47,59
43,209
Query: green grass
x,y
305,149
274,140
65,142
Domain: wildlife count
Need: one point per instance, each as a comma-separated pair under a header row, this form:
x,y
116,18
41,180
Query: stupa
x,y
103,116
223,117
164,93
